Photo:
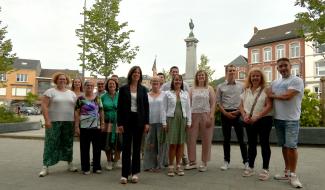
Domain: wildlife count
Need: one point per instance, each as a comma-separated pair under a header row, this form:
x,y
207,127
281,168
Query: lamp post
x,y
84,43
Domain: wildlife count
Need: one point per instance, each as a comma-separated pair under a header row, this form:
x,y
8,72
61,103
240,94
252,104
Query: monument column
x,y
191,64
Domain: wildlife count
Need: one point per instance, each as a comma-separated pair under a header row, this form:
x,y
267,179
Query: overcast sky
x,y
45,29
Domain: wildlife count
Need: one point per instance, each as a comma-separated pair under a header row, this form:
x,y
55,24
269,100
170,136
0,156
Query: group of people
x,y
253,107
171,115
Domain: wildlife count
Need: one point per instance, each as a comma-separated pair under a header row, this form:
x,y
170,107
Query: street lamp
x,y
84,43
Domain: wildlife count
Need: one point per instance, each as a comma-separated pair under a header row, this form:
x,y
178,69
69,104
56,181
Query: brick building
x,y
268,45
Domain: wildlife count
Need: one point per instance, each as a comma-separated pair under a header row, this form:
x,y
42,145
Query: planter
x,y
22,126
307,135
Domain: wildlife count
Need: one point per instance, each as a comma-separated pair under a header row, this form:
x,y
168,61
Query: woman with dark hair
x,y
58,111
255,108
132,120
77,87
178,117
112,139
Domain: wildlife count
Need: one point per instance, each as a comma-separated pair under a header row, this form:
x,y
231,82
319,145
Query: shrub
x,y
310,110
7,116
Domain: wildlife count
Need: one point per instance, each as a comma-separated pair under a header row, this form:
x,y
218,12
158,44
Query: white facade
x,y
315,66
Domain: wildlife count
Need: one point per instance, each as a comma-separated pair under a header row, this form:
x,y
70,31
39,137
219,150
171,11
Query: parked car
x,y
30,111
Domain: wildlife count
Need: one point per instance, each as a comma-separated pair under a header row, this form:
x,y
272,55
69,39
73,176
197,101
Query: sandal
x,y
171,172
179,171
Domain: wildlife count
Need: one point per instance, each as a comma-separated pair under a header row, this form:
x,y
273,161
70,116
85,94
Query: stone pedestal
x,y
191,64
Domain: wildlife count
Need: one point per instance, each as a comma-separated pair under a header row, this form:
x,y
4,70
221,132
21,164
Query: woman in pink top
x,y
203,106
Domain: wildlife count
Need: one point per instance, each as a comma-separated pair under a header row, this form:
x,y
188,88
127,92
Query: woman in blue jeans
x,y
256,109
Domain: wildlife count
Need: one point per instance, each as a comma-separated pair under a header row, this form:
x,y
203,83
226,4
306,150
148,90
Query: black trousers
x,y
226,131
260,129
132,136
88,136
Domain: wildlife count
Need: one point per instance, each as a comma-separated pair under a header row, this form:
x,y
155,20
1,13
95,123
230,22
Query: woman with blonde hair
x,y
58,111
155,147
203,106
255,109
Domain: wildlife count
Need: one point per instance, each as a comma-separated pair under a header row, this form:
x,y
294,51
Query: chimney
x,y
255,30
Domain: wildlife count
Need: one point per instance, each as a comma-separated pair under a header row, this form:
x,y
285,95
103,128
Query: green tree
x,y
204,66
310,110
312,20
167,76
104,40
7,58
31,98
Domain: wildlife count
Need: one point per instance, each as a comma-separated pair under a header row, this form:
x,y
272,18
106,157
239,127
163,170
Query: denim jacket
x,y
170,103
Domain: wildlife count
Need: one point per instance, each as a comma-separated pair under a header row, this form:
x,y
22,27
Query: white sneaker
x,y
86,173
109,166
248,172
225,166
294,181
283,176
190,166
246,166
44,172
71,167
203,168
116,165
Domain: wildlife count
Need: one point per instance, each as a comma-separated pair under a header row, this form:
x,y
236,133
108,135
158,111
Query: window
x,y
268,74
267,54
20,91
3,91
295,70
255,56
3,77
242,75
319,48
21,77
320,68
294,50
280,51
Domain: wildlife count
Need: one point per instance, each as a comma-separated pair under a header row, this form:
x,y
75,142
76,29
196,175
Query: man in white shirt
x,y
287,94
172,72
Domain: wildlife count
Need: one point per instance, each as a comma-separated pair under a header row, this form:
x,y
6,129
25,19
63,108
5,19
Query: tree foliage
x,y
310,110
204,66
167,75
104,40
7,58
31,98
312,20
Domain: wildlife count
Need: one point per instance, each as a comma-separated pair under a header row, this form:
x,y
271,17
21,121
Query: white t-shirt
x,y
288,109
61,107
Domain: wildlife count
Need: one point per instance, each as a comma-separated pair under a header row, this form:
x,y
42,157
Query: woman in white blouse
x,y
203,107
155,149
256,109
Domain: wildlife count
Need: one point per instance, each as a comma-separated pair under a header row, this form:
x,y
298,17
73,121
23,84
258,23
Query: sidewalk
x,y
21,159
